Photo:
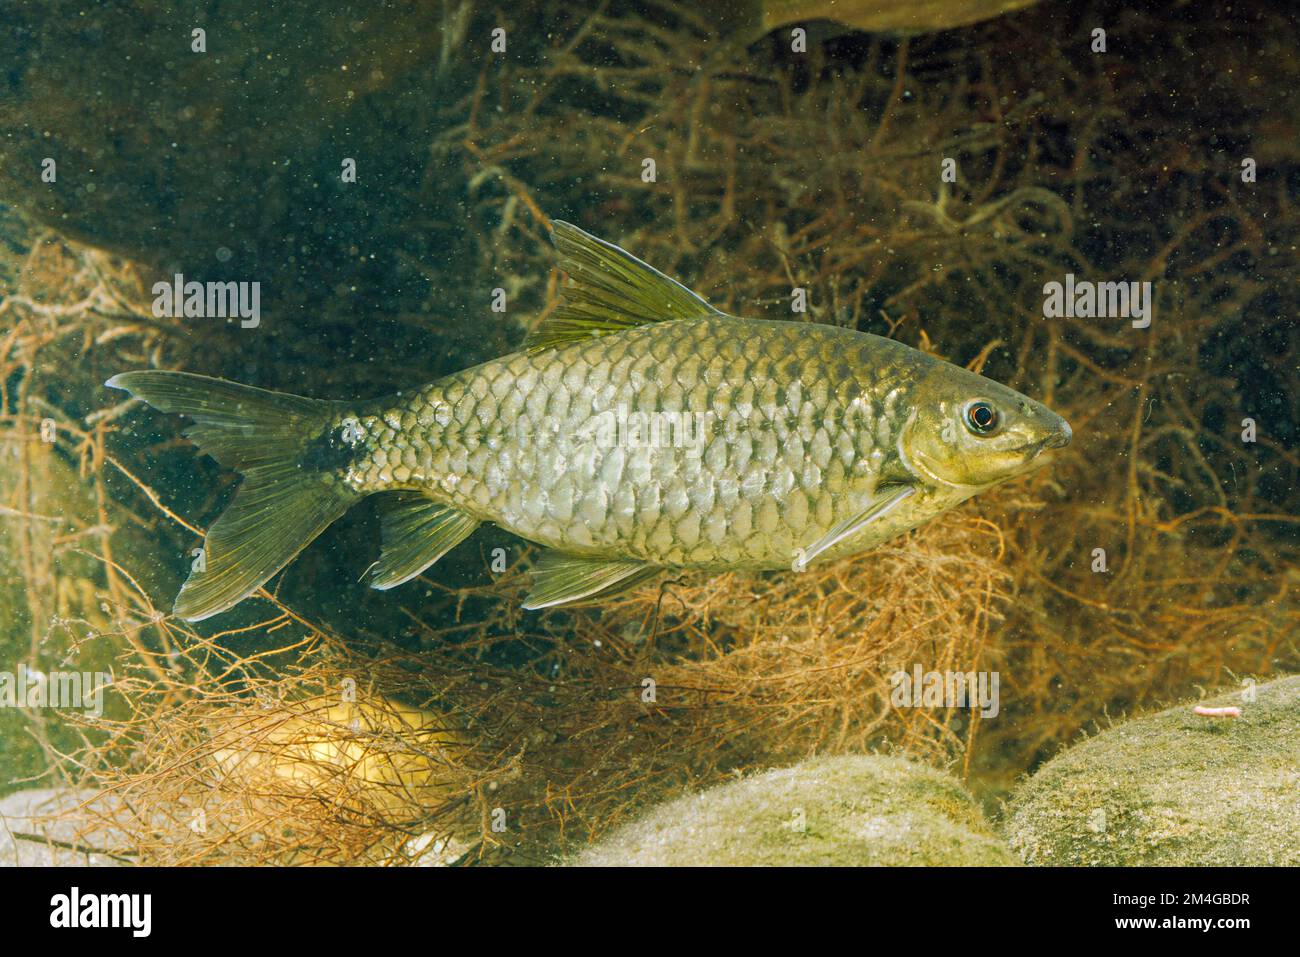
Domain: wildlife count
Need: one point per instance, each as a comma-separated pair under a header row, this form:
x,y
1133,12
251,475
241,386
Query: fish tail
x,y
283,502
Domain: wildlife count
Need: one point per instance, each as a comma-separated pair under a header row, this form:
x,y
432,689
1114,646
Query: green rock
x,y
1173,788
855,810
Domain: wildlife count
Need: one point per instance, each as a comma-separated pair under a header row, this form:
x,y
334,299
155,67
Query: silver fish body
x,y
717,442
638,430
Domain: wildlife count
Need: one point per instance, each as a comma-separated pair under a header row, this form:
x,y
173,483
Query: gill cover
x,y
971,432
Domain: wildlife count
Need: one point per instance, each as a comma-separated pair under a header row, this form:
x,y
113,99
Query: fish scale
x,y
770,411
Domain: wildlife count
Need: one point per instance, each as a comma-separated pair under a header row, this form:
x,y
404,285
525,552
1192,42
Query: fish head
x,y
967,431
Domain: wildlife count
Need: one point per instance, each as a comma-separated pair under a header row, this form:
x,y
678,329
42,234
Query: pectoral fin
x,y
559,579
887,499
417,531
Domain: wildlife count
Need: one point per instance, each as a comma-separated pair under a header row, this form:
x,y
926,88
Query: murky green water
x,y
1094,205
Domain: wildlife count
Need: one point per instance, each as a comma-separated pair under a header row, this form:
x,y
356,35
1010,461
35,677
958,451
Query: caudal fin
x,y
280,506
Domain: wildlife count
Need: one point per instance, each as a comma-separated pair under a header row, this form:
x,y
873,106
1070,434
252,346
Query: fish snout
x,y
1061,437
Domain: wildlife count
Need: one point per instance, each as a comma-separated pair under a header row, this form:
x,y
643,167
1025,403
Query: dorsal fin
x,y
611,290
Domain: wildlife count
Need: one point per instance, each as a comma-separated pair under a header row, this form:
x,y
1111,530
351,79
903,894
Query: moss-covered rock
x,y
856,810
1173,788
56,827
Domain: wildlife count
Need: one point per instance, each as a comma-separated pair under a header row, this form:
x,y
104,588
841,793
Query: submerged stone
x,y
852,810
1174,788
56,827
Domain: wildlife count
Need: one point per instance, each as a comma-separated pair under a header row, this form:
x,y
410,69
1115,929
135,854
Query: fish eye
x,y
982,418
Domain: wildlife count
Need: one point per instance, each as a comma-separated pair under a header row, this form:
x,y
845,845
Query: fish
x,y
748,20
637,431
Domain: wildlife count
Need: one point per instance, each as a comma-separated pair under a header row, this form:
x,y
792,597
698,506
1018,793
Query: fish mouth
x,y
1061,438
1056,440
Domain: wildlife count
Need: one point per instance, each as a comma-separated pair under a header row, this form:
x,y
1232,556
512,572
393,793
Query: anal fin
x,y
417,531
559,579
